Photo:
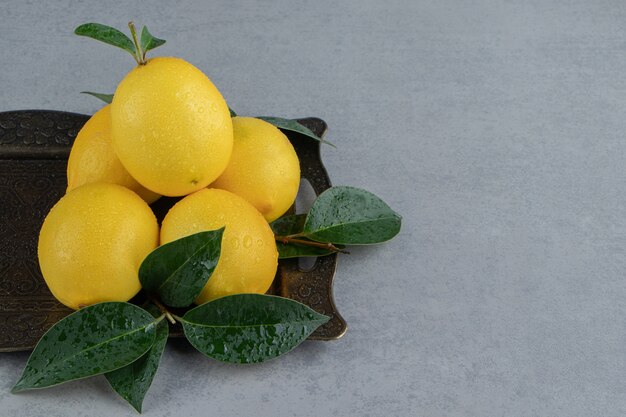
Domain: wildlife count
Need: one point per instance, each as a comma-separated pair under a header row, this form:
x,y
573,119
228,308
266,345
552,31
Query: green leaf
x,y
148,41
107,98
350,216
293,225
107,34
249,328
179,270
293,126
91,341
232,112
133,381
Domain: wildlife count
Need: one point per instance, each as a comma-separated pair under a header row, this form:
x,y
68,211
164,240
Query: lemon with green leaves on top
x,y
170,126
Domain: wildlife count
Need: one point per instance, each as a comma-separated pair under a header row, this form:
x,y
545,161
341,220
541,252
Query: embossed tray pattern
x,y
34,146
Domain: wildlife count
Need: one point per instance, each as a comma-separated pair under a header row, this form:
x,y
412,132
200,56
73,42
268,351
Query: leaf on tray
x,y
293,225
249,328
179,270
94,340
133,381
350,216
293,126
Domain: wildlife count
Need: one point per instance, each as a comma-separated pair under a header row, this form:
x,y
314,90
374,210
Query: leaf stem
x,y
163,310
291,239
140,56
179,319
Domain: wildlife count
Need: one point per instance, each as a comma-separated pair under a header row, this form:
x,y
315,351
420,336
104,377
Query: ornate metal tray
x,y
34,146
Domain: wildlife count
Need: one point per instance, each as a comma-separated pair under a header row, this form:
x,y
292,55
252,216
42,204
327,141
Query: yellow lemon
x,y
171,127
264,167
92,243
92,158
248,258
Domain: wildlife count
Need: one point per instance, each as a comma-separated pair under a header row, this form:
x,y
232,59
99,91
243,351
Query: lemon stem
x,y
329,246
140,56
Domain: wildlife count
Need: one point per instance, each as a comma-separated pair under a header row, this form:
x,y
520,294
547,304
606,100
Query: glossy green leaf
x,y
107,98
179,270
249,328
148,41
133,381
90,341
293,126
350,216
292,225
107,34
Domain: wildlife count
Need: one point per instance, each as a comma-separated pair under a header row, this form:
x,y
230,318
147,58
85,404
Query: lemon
x,y
92,243
92,158
171,127
264,167
248,258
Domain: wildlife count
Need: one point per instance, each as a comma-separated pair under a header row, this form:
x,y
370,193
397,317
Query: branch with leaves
x,y
107,34
125,342
340,216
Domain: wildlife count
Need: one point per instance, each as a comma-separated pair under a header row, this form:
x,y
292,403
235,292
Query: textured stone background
x,y
495,127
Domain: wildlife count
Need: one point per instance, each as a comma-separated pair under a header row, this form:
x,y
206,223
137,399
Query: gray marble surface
x,y
496,128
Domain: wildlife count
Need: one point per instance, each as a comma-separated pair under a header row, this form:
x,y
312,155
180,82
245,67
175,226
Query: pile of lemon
x,y
167,132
